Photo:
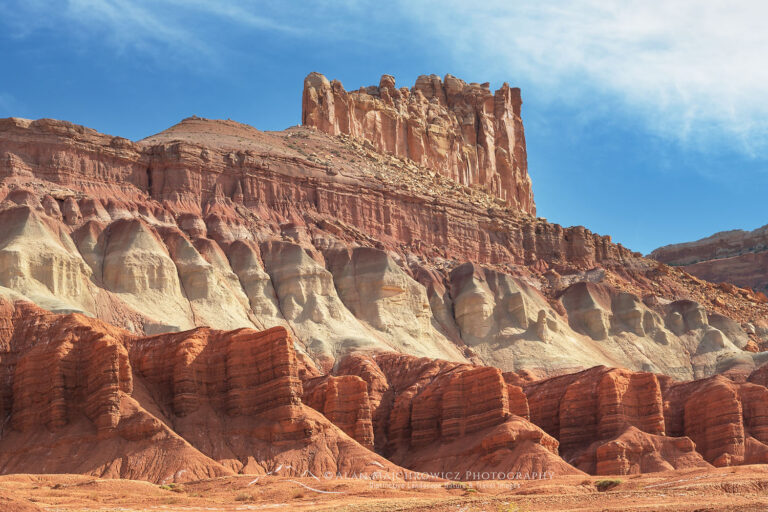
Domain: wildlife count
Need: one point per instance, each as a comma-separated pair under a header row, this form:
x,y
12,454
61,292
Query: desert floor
x,y
738,488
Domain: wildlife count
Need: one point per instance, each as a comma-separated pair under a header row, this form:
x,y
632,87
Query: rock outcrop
x,y
612,421
432,415
446,418
597,405
213,223
738,257
343,400
85,397
369,295
80,396
460,130
726,420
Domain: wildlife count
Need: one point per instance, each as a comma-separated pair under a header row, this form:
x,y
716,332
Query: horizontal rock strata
x,y
214,223
80,396
738,257
460,130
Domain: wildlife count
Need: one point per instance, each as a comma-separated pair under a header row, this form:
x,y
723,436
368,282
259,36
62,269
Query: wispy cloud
x,y
255,14
175,26
691,69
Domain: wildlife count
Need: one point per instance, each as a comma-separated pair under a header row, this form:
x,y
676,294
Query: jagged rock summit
x,y
462,131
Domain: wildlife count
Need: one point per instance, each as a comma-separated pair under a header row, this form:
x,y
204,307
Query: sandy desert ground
x,y
743,488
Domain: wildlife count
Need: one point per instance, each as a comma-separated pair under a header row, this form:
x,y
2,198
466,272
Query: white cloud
x,y
129,23
692,69
176,25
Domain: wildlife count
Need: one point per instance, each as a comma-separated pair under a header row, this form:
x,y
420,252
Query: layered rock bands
x,y
433,415
460,130
79,396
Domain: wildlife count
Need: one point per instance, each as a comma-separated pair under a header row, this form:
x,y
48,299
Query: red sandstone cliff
x,y
440,417
738,257
434,415
321,257
460,130
79,396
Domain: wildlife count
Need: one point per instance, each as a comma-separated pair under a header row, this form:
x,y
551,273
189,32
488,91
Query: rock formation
x,y
460,130
371,294
432,415
343,400
445,418
609,421
726,420
79,396
213,223
85,397
738,257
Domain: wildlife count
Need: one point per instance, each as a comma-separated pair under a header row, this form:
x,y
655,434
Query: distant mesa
x,y
738,257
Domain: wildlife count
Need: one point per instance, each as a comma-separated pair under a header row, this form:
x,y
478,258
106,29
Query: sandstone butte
x,y
463,131
369,292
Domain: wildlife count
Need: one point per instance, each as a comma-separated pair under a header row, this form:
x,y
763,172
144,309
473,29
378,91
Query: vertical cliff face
x,y
436,416
214,223
462,131
80,396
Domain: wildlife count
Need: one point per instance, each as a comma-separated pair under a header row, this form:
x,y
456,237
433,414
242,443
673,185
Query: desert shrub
x,y
604,485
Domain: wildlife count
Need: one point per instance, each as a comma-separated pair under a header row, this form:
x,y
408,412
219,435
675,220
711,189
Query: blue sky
x,y
645,120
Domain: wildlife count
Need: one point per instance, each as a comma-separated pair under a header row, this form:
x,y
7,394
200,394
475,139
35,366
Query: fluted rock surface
x,y
437,416
69,406
80,396
460,130
430,415
727,420
609,421
614,421
343,400
599,403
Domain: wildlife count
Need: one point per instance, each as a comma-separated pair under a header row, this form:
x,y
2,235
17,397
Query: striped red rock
x,y
710,413
80,396
437,416
344,401
609,421
635,451
599,403
727,420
